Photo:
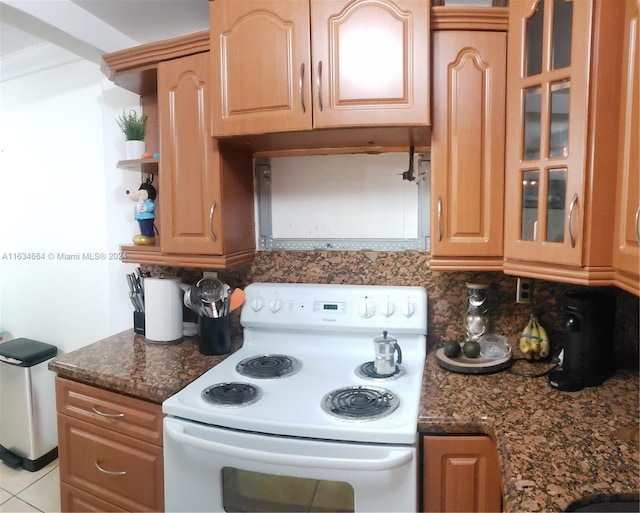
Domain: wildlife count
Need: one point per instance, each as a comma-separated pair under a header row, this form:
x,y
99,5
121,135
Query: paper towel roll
x,y
163,309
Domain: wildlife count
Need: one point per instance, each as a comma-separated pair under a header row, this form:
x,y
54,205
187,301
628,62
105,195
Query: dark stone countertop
x,y
554,447
129,364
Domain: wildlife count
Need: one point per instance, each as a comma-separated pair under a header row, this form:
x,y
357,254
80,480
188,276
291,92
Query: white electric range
x,y
300,405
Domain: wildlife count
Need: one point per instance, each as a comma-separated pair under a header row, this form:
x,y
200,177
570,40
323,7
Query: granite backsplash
x,y
446,291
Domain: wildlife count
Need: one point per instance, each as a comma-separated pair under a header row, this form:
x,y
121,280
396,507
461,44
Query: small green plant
x,y
133,126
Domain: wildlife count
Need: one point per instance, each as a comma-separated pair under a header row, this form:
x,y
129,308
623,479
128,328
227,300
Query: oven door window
x,y
244,491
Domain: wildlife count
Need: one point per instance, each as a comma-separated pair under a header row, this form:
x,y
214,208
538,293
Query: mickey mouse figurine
x,y
144,212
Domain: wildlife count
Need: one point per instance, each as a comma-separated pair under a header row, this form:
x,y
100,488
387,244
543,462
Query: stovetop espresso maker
x,y
588,341
386,348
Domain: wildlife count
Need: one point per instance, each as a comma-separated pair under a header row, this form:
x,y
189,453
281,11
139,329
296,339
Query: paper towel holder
x,y
163,310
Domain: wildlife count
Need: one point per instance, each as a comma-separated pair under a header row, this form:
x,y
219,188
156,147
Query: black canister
x,y
214,335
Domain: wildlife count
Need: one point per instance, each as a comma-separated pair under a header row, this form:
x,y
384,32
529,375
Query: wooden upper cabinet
x,y
261,49
205,191
626,256
206,195
293,65
370,62
562,102
188,188
467,149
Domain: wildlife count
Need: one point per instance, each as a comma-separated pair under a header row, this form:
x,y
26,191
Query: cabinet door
x,y
561,107
206,193
547,129
467,148
189,174
626,255
460,473
260,54
370,62
119,469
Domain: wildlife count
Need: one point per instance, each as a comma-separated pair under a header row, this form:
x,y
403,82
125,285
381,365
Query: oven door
x,y
214,469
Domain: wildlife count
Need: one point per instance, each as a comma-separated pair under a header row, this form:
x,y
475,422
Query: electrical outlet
x,y
210,274
524,291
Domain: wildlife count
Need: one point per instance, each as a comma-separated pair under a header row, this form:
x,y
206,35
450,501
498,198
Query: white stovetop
x,y
291,406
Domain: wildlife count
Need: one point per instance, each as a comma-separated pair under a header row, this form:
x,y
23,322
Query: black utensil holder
x,y
214,335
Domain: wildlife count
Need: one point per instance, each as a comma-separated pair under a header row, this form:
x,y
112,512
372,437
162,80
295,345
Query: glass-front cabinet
x,y
626,256
559,185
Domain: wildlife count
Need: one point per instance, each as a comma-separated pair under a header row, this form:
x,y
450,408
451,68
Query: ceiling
x,y
90,28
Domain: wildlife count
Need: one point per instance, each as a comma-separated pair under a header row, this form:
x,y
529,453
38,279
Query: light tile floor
x,y
24,491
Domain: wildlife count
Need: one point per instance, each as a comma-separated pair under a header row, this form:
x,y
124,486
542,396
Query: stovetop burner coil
x,y
232,394
269,366
368,370
360,403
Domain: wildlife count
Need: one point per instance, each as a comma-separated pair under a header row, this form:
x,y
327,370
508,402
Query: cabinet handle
x,y
319,85
304,109
570,218
109,415
110,472
439,218
638,225
213,208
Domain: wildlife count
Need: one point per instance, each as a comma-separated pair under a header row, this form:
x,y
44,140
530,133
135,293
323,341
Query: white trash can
x,y
28,431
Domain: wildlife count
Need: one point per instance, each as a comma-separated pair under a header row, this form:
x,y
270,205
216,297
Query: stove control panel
x,y
387,308
408,308
275,304
366,307
341,307
322,307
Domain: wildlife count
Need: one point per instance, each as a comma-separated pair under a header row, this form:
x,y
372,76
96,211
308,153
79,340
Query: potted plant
x,y
134,128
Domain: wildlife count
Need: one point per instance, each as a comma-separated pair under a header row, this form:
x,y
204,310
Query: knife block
x,y
138,322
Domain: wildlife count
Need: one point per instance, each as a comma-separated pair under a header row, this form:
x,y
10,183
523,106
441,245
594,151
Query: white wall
x,y
62,195
343,196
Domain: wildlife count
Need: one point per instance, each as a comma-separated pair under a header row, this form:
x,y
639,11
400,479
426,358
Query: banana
x,y
544,341
534,340
525,338
544,349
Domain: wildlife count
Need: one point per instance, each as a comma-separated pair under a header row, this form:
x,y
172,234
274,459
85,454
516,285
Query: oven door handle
x,y
395,458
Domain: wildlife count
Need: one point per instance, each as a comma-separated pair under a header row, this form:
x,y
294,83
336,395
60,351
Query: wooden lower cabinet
x,y
460,473
74,499
110,450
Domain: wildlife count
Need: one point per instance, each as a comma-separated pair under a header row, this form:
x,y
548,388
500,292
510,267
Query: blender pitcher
x,y
385,361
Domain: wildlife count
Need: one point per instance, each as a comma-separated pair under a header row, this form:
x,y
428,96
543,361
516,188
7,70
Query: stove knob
x,y
275,304
387,308
257,304
408,308
366,308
